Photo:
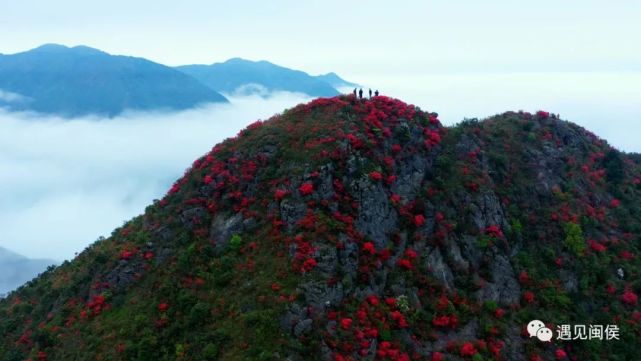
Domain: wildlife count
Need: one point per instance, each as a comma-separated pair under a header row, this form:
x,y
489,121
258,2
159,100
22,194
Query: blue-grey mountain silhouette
x,y
244,76
55,79
15,269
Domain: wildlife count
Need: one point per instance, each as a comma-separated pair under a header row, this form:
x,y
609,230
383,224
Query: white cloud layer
x,y
64,183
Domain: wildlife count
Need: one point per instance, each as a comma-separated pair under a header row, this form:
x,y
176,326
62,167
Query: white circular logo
x,y
534,326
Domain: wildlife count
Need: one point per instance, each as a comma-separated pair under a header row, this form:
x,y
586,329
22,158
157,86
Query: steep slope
x,y
260,77
16,269
55,79
349,230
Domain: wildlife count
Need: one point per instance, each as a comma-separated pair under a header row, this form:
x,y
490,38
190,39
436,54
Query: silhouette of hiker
x,y
360,93
354,92
376,93
370,93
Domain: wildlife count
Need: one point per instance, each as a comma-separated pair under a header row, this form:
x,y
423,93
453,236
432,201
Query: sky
x,y
355,38
65,183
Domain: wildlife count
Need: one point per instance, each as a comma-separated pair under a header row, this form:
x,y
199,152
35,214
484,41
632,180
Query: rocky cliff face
x,y
359,230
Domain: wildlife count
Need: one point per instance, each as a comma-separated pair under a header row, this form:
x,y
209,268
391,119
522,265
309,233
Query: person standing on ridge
x,y
360,93
376,93
354,92
370,93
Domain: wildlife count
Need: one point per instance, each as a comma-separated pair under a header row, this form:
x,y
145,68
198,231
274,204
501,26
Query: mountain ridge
x,y
234,73
78,81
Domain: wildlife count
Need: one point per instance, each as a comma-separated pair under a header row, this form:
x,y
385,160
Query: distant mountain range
x,y
55,79
76,81
15,269
244,76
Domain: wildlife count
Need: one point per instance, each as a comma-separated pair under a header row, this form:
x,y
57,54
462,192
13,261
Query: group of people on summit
x,y
360,93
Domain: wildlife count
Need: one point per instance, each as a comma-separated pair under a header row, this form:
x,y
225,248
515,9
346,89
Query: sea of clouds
x,y
64,183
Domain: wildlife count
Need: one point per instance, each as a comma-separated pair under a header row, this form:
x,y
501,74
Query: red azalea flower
x,y
405,263
629,297
411,254
596,246
528,296
373,300
126,254
368,247
163,307
468,350
280,194
560,354
390,302
441,321
524,277
419,220
346,323
391,179
610,289
543,114
309,264
627,255
306,189
494,231
376,176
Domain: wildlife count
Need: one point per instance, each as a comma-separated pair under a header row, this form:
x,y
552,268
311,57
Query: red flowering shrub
x,y
346,323
528,297
524,277
542,114
309,264
306,189
629,297
433,138
126,254
368,247
405,263
419,220
280,194
493,231
596,246
468,350
376,176
560,354
441,321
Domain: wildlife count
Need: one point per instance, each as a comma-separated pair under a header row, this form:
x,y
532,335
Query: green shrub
x,y
574,240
